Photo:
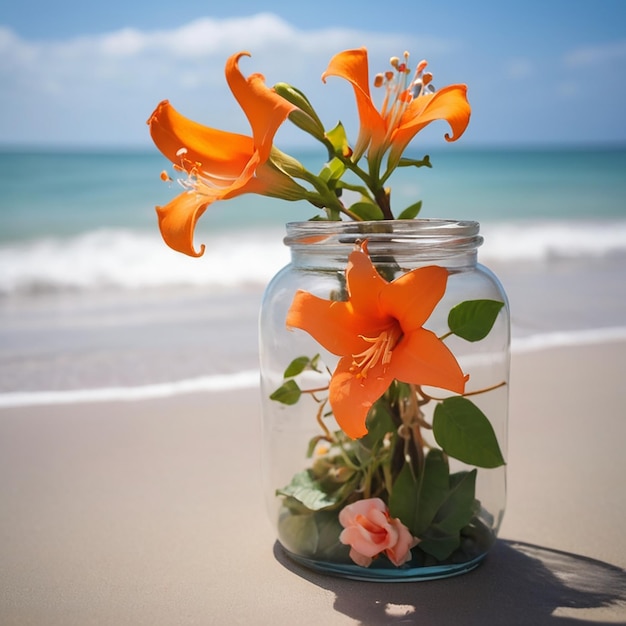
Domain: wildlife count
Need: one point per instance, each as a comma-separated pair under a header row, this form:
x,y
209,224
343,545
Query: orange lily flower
x,y
398,121
220,164
378,333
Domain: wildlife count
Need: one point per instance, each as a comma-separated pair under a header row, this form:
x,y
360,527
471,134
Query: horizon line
x,y
54,147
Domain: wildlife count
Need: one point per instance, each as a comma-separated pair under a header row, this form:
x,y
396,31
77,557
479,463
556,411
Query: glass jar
x,y
422,494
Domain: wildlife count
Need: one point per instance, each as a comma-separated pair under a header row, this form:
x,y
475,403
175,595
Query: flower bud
x,y
305,116
306,123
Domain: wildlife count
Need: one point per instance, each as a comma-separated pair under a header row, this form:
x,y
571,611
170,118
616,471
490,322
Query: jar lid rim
x,y
427,231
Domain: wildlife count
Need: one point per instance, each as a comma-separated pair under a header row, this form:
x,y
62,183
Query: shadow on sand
x,y
518,584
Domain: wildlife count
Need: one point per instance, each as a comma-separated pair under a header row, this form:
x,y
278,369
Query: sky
x,y
539,72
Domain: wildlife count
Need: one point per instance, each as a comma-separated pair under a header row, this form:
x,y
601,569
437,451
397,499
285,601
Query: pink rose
x,y
369,530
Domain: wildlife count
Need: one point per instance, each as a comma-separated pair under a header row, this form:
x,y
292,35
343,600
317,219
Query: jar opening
x,y
385,236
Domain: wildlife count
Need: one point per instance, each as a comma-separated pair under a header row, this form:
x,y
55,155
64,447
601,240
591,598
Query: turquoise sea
x,y
90,297
86,220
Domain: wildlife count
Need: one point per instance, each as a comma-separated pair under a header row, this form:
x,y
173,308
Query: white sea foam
x,y
558,339
219,382
249,379
541,241
130,260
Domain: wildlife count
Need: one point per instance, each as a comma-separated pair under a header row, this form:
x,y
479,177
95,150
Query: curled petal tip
x,y
156,111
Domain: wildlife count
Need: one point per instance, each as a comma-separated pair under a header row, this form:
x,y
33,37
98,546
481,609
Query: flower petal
x,y
400,552
264,108
178,218
352,397
412,297
421,358
216,153
352,65
449,104
331,323
364,285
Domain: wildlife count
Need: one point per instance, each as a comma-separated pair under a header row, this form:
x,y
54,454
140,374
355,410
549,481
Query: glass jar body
x,y
449,498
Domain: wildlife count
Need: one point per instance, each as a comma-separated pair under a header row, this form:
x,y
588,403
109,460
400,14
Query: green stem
x,y
346,457
372,182
465,395
325,197
378,189
320,421
316,390
484,390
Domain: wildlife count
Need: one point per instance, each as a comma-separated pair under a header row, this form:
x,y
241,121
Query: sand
x,y
151,512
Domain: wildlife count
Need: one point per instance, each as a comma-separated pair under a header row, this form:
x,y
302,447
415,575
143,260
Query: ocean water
x,y
86,220
91,299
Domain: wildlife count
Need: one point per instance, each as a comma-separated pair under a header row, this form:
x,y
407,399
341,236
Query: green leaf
x,y
333,170
434,487
411,211
288,393
297,366
403,502
473,319
458,508
464,432
443,536
398,392
301,363
405,162
308,491
367,211
379,422
338,138
441,546
298,532
328,530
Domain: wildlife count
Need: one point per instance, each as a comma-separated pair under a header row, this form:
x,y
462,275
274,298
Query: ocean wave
x,y
560,339
249,379
550,240
132,260
128,259
220,382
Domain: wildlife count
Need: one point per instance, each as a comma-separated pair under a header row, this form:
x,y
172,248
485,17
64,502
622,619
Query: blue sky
x,y
539,72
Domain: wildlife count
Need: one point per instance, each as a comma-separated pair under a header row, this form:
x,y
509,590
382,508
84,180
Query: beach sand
x,y
151,512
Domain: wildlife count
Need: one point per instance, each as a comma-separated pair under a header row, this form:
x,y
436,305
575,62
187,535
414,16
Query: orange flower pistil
x,y
220,164
409,105
379,336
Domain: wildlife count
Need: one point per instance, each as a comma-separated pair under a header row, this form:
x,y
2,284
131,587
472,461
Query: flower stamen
x,y
379,351
422,81
400,91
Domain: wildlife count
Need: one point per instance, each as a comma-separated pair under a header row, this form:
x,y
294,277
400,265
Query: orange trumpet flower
x,y
410,109
378,333
220,164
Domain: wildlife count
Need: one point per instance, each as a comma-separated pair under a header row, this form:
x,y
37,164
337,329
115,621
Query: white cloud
x,y
208,36
519,68
587,67
103,87
122,43
587,56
